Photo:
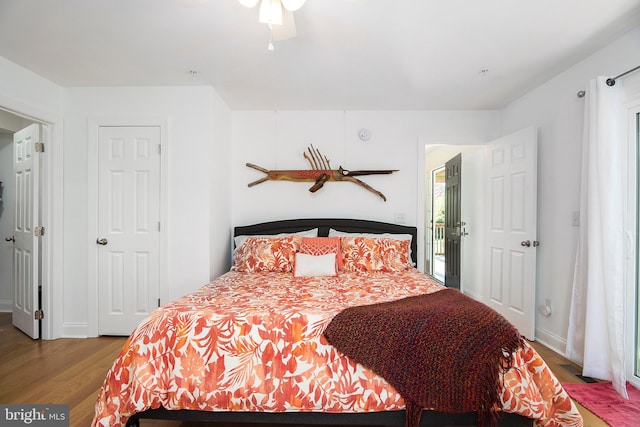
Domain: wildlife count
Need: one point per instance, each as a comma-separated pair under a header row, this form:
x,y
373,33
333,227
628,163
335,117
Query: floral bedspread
x,y
253,342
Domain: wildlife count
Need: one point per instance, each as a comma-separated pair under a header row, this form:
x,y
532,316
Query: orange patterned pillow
x,y
375,254
266,254
322,246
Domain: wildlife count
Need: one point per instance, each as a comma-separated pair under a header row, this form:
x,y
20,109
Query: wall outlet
x,y
400,218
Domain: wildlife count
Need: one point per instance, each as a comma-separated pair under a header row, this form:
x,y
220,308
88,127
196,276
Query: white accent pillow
x,y
315,265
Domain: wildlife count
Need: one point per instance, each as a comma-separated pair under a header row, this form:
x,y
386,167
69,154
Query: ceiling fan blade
x,y
288,28
292,5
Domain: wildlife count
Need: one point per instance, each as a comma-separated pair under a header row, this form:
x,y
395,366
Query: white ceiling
x,y
349,54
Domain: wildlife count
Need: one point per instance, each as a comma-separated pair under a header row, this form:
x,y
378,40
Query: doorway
x,y
11,124
632,318
454,226
6,219
484,214
51,210
446,227
437,228
472,212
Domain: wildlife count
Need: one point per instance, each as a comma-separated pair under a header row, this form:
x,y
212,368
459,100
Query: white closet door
x,y
128,226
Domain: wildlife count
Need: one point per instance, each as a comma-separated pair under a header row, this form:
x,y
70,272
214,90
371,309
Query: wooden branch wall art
x,y
319,173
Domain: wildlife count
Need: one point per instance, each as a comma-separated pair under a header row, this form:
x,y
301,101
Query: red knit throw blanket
x,y
442,351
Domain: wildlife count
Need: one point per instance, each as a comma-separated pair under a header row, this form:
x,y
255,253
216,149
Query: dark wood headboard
x,y
324,224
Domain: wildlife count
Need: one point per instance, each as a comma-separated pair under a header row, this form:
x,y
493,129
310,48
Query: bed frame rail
x,y
388,418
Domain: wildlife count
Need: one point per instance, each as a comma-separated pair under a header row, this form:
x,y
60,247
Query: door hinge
x,y
159,148
39,147
38,315
38,231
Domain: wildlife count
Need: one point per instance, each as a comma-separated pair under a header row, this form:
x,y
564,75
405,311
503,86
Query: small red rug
x,y
606,403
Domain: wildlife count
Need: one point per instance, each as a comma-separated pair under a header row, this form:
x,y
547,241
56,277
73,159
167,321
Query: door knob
x,y
526,243
10,239
102,241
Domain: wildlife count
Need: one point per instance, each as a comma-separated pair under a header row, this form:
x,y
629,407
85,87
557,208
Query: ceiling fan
x,y
278,14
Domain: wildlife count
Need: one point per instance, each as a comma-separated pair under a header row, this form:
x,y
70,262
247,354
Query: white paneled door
x,y
128,226
512,241
26,230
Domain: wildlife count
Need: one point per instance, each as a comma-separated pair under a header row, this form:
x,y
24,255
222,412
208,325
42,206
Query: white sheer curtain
x,y
596,321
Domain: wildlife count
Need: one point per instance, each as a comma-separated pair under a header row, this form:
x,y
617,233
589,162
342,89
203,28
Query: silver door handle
x,y
10,239
102,242
526,243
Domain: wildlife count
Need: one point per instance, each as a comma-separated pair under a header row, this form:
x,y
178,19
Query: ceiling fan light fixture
x,y
292,5
278,14
270,12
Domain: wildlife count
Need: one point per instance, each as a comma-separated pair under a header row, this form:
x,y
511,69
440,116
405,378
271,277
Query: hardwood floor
x,y
71,371
64,371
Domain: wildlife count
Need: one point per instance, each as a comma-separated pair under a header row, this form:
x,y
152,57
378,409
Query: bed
x,y
249,346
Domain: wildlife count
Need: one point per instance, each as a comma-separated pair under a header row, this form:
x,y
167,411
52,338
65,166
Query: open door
x,y
453,222
512,228
26,231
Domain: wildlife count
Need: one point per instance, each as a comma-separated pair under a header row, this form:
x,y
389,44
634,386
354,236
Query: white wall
x,y
220,191
558,113
190,113
26,92
277,140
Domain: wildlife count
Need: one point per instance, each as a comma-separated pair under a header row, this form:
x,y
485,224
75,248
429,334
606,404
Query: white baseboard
x,y
475,295
69,330
6,306
75,330
552,341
